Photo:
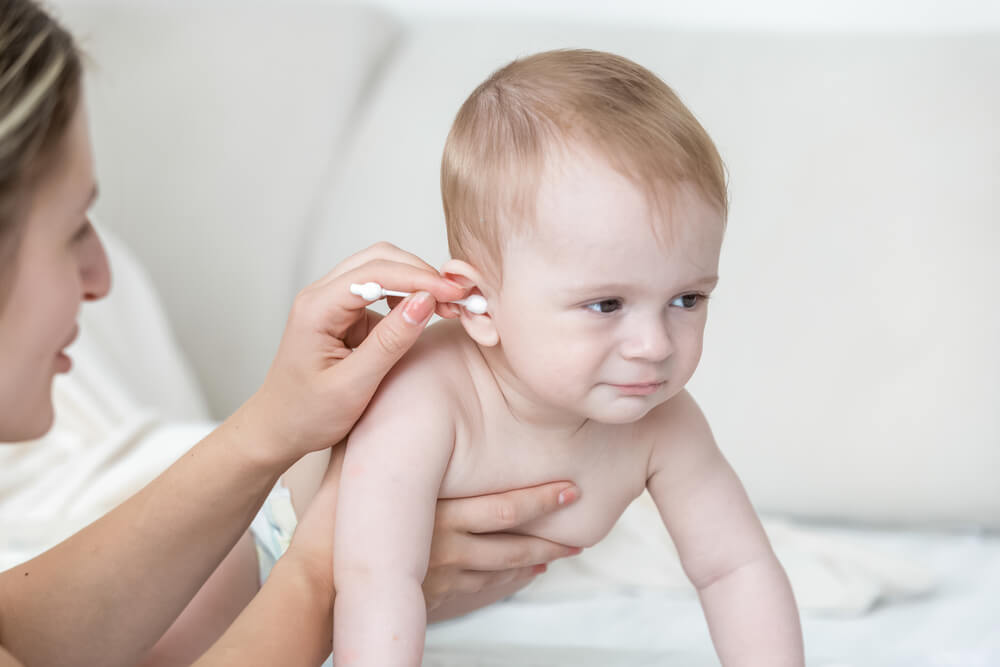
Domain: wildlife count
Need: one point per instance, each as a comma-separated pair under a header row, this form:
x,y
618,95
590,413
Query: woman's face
x,y
60,264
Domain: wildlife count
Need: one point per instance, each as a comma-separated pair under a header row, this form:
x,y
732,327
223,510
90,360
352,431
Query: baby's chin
x,y
625,410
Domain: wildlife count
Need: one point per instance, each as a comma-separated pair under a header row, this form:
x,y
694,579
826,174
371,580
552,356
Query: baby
x,y
587,205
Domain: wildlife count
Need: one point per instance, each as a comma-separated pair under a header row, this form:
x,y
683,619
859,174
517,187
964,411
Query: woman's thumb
x,y
387,342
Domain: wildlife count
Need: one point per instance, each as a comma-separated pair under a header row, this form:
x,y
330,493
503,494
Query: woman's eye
x,y
605,306
688,301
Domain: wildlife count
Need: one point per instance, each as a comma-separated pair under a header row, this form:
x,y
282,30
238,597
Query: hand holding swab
x,y
474,303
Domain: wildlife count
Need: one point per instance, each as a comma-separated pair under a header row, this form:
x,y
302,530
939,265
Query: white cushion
x,y
216,129
851,366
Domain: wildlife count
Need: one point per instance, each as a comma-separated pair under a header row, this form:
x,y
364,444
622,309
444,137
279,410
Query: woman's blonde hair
x,y
40,80
495,154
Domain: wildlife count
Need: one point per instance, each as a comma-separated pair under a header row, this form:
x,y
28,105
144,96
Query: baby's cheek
x,y
556,365
689,362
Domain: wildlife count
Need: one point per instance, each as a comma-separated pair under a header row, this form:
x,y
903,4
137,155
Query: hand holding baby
x,y
334,351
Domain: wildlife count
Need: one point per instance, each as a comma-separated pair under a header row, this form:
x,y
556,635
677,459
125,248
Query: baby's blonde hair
x,y
494,157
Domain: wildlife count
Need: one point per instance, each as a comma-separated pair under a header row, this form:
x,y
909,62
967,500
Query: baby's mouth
x,y
638,388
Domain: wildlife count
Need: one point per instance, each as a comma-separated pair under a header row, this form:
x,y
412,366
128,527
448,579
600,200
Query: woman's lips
x,y
63,361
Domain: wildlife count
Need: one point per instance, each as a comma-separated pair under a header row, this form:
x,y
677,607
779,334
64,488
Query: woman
x,y
108,593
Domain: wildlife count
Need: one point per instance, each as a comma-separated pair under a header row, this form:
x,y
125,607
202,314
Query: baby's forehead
x,y
600,210
601,227
592,253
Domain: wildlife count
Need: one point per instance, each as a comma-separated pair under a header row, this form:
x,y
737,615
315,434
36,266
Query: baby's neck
x,y
524,405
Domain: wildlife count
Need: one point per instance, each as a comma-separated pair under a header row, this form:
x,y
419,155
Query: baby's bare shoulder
x,y
676,415
676,430
435,369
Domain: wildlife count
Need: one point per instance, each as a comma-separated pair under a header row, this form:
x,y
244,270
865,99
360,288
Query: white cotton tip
x,y
367,291
475,304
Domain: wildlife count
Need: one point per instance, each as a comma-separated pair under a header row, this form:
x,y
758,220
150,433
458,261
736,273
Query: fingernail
x,y
453,283
576,551
538,569
567,496
418,308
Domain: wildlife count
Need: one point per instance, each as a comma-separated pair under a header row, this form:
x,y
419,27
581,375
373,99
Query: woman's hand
x,y
474,550
471,553
334,351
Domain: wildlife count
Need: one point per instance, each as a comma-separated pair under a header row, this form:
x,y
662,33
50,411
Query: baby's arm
x,y
395,460
744,591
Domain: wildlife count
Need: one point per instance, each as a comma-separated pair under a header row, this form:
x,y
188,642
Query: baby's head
x,y
587,204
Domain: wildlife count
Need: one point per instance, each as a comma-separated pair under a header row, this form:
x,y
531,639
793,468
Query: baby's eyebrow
x,y
706,282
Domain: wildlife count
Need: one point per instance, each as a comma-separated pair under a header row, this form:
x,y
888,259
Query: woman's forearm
x,y
106,595
289,622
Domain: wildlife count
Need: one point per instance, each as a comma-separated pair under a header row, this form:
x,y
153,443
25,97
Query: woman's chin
x,y
28,425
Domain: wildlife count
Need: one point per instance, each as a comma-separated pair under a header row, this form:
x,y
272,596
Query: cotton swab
x,y
474,303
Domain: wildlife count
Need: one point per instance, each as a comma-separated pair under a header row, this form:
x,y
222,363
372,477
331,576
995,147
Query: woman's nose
x,y
95,273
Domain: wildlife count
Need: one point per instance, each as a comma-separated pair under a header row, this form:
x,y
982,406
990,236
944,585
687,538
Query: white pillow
x,y
216,129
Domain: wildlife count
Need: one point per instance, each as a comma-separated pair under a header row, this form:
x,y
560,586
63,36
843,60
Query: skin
x,y
61,264
583,378
92,599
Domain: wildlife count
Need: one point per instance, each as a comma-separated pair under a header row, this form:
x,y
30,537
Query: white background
x,y
777,15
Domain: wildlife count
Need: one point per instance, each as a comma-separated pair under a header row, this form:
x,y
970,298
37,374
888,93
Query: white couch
x,y
851,370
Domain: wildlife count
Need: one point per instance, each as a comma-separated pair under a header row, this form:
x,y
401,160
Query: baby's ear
x,y
479,327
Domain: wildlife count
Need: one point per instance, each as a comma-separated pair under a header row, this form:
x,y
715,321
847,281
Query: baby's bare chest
x,y
609,468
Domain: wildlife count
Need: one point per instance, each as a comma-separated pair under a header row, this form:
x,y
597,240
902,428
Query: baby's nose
x,y
650,342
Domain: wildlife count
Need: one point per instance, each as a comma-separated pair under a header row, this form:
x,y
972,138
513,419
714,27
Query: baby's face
x,y
597,317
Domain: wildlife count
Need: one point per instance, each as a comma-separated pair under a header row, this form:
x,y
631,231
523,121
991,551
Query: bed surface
x,y
958,624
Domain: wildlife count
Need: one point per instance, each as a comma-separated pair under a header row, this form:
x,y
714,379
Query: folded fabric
x,y
830,574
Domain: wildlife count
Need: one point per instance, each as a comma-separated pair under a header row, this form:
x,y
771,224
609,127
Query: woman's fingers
x,y
379,251
339,310
469,532
335,351
500,552
505,511
360,372
444,585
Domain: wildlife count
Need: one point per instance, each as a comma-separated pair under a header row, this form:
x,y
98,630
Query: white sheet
x,y
830,573
957,625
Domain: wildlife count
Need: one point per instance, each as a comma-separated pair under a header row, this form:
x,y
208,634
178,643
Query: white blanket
x,y
830,574
953,626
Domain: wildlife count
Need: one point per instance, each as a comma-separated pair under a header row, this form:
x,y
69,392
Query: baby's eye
x,y
688,301
605,306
